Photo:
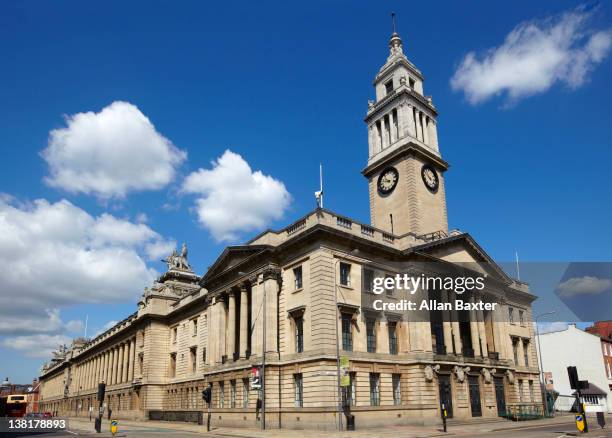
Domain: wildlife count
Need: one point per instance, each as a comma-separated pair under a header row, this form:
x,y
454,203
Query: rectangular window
x,y
172,370
297,276
526,352
193,355
511,315
299,334
368,280
347,332
371,335
392,327
388,86
299,390
520,387
411,83
245,393
397,389
174,333
345,274
531,395
522,317
194,327
221,394
204,355
374,389
232,393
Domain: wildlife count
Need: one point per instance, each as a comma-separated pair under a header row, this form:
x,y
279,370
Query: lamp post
x,y
336,285
542,382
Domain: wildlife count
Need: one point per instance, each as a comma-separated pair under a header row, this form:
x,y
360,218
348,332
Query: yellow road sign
x,y
579,422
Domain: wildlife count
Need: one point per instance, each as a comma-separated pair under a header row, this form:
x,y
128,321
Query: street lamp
x,y
542,382
336,286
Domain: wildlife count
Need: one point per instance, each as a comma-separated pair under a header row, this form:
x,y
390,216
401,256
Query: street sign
x,y
255,378
580,422
113,427
345,378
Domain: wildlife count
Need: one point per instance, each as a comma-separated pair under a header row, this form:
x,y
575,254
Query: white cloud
x,y
533,57
586,285
233,199
36,346
54,254
110,153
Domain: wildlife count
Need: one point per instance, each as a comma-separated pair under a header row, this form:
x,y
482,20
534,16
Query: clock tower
x,y
405,170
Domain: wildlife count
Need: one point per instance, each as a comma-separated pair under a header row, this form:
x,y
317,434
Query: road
x,y
564,429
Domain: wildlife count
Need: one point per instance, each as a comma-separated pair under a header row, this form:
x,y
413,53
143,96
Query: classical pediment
x,y
231,257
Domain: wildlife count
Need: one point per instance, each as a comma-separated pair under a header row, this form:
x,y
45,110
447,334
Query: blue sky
x,y
285,87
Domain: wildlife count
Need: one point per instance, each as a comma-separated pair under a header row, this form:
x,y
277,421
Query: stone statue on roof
x,y
176,261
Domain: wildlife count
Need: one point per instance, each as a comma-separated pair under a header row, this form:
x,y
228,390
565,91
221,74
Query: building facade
x,y
603,329
295,296
575,347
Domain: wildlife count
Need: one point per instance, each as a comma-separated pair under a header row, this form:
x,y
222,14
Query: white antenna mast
x,y
86,320
319,194
518,270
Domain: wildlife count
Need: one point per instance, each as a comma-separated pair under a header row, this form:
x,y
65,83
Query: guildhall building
x,y
297,292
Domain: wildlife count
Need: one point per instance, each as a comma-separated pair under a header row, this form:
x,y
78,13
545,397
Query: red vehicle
x,y
13,405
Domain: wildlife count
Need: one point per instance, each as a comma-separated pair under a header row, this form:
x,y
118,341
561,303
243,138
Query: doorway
x,y
500,396
475,396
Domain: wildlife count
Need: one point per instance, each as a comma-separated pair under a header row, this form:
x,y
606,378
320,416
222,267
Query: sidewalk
x,y
467,428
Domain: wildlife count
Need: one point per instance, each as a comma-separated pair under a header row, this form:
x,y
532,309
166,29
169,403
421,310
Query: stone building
x,y
299,292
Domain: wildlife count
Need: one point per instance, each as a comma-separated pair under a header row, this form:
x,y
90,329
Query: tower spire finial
x,y
395,43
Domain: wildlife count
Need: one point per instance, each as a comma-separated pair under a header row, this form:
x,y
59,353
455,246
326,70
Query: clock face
x,y
430,177
387,180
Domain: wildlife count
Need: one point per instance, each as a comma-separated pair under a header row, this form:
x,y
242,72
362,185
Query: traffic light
x,y
206,394
101,391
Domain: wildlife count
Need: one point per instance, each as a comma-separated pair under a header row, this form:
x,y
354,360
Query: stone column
x,y
383,128
425,129
446,325
411,127
129,368
392,126
124,354
89,373
244,320
120,363
231,325
474,330
271,279
433,135
482,332
382,336
520,352
371,144
256,316
124,371
107,367
97,371
113,366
